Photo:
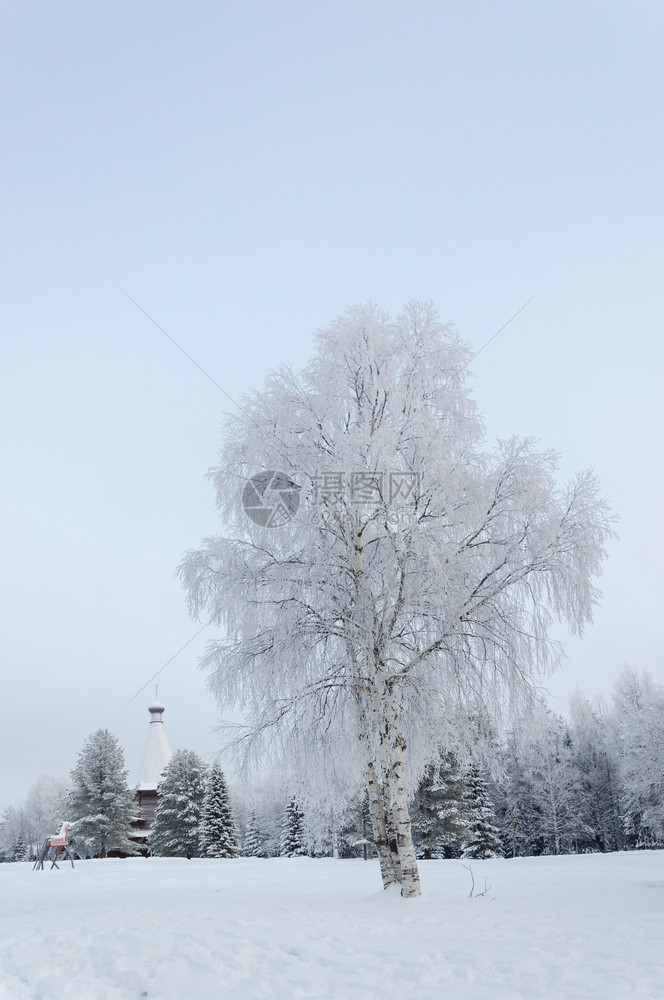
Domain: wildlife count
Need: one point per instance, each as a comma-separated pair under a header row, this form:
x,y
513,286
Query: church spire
x,y
157,752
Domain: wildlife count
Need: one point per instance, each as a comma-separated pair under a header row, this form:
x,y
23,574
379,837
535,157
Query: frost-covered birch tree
x,y
518,810
639,709
420,567
598,778
45,808
12,830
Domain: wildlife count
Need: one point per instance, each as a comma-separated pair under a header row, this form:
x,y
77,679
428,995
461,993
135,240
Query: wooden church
x,y
157,756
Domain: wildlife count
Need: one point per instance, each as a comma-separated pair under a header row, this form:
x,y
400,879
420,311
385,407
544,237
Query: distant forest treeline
x,y
593,781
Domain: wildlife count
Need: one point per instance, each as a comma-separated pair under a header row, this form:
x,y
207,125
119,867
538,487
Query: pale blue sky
x,y
246,172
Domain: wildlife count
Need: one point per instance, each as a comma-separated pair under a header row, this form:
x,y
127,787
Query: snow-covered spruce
x,y
176,828
420,569
21,849
292,832
357,829
218,833
484,837
252,846
101,804
440,811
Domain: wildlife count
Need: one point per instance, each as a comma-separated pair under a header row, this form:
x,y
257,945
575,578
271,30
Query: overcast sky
x,y
246,172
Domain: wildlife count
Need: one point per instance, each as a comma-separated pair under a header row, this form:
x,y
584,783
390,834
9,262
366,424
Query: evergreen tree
x,y
355,833
21,850
439,811
292,845
218,838
484,838
252,847
101,805
177,822
365,840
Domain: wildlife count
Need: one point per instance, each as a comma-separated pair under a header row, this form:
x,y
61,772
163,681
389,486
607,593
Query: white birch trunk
x,y
389,809
388,869
395,746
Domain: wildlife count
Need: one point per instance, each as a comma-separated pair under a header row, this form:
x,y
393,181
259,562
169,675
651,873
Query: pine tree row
x,y
194,818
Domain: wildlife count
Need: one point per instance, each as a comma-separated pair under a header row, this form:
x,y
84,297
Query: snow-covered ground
x,y
569,928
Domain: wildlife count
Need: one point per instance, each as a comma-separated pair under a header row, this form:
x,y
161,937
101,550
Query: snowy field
x,y
569,928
